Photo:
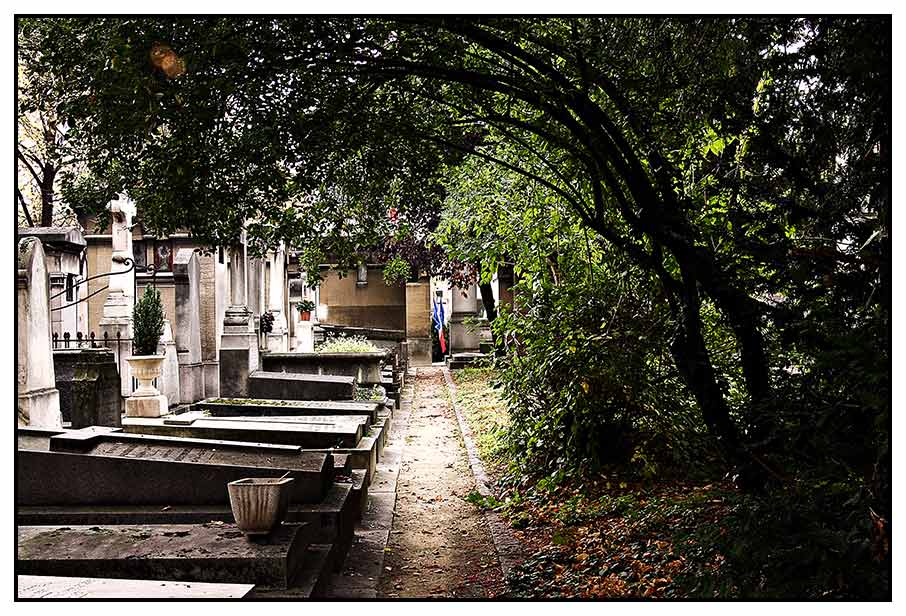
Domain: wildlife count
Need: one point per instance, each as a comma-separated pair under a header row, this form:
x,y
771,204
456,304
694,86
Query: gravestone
x,y
278,337
418,322
38,398
116,321
169,374
187,281
89,387
288,386
239,343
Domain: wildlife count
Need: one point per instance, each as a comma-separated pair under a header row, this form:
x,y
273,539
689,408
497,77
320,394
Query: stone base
x,y
277,342
40,408
234,373
463,337
191,383
211,376
146,406
419,351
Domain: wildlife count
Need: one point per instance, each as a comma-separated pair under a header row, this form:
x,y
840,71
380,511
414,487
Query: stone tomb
x,y
285,386
84,467
232,407
364,367
250,429
57,587
89,387
216,552
37,395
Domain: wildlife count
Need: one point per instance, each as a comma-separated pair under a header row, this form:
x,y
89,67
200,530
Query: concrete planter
x,y
146,400
258,504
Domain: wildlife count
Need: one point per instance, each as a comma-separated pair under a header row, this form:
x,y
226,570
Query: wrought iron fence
x,y
120,345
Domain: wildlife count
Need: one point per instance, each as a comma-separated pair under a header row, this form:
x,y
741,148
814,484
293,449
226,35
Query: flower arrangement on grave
x,y
267,322
305,307
148,322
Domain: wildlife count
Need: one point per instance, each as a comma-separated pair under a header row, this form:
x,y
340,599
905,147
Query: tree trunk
x,y
691,358
47,195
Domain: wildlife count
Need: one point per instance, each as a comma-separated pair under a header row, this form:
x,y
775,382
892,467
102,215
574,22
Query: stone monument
x,y
239,344
187,280
38,398
117,319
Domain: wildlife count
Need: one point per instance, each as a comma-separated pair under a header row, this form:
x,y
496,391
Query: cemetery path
x,y
439,543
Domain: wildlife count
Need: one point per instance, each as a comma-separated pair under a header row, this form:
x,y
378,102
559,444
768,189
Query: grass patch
x,y
486,414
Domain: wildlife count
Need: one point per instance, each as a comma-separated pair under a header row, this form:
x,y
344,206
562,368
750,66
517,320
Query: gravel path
x,y
439,543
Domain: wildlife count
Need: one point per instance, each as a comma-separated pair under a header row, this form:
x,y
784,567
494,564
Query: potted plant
x,y
259,504
148,325
305,308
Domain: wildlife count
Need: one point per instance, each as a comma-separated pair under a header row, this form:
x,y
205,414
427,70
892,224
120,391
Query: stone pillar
x,y
464,306
505,282
117,316
186,281
277,338
238,344
169,374
38,398
418,322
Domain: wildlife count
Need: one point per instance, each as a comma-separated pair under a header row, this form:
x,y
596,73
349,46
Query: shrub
x,y
148,322
343,344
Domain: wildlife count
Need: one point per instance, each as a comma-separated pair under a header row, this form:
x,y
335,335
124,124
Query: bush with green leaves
x,y
346,344
148,322
397,271
306,305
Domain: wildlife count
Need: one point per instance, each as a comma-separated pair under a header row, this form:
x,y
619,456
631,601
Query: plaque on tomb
x,y
139,255
163,255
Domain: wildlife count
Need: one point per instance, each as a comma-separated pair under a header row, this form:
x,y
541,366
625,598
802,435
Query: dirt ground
x,y
439,543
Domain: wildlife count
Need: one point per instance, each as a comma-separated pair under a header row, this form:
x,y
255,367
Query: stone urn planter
x,y
259,504
146,400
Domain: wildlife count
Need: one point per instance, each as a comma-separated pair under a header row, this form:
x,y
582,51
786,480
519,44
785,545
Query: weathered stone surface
x,y
168,382
193,552
249,430
226,407
187,324
90,468
330,519
57,587
89,387
37,395
364,367
285,386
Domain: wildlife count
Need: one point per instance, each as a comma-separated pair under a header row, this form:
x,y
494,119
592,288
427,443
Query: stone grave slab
x,y
54,587
84,468
228,407
289,386
214,552
250,430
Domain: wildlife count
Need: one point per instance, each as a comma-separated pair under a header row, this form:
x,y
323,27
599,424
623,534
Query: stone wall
x,y
374,304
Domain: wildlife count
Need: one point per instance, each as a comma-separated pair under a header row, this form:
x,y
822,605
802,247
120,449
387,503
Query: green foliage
x,y
397,271
375,392
147,322
306,305
343,344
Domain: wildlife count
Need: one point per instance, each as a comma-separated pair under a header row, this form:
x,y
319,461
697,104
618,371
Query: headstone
x,y
169,376
187,281
418,322
239,344
464,307
277,338
38,398
285,386
89,387
116,321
